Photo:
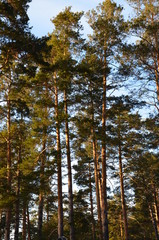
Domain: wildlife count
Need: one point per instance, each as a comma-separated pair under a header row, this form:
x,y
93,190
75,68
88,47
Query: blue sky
x,y
41,11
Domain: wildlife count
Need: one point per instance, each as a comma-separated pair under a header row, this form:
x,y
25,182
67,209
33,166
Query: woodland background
x,y
79,126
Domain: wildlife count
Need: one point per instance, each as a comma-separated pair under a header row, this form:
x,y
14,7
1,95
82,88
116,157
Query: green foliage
x,y
29,70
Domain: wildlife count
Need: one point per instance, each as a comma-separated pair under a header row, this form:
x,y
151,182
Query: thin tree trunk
x,y
104,175
16,236
41,194
99,181
40,215
70,191
7,227
156,216
121,226
1,224
8,211
60,207
156,63
156,66
96,172
156,208
122,192
97,185
47,210
98,189
91,202
24,222
28,221
153,221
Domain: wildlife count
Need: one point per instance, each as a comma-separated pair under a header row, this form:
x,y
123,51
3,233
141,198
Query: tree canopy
x,y
79,124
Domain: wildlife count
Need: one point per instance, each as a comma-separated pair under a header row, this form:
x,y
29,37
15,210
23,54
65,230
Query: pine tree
x,y
16,43
90,102
66,36
145,52
106,23
120,126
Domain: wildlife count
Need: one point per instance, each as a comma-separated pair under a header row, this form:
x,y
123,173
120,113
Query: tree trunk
x,y
40,215
97,186
1,230
96,172
48,212
91,203
156,58
99,181
60,207
16,236
156,66
153,221
28,221
122,192
121,226
104,175
70,192
8,211
24,222
156,208
41,194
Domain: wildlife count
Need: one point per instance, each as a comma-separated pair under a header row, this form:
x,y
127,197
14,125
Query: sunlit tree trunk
x,y
17,207
91,203
156,207
70,192
41,194
103,155
96,174
121,226
60,207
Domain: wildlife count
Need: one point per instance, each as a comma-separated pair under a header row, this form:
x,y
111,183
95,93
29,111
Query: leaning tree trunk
x,y
70,192
59,171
